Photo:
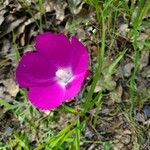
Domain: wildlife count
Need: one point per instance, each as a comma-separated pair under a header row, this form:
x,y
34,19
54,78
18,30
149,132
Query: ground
x,y
112,111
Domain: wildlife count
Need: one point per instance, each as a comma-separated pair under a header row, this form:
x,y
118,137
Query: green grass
x,y
136,58
101,19
41,13
137,21
70,136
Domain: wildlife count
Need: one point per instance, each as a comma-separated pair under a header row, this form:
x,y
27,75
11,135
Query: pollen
x,y
64,76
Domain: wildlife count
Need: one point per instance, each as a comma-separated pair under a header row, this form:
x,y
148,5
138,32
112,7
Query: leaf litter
x,y
70,17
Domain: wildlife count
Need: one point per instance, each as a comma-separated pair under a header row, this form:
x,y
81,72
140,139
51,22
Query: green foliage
x,y
70,136
137,21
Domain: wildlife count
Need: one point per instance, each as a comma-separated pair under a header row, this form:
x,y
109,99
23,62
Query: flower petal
x,y
80,56
73,88
34,70
46,98
56,48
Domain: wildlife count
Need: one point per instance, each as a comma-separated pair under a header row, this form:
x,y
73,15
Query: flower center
x,y
64,75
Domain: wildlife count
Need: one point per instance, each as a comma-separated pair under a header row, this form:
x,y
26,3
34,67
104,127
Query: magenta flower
x,y
55,72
